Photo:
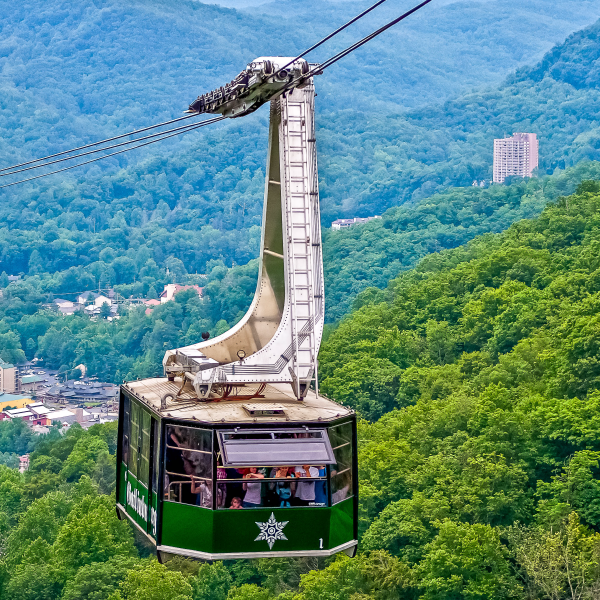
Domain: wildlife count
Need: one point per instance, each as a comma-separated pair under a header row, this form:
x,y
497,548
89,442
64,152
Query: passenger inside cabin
x,y
340,485
221,487
305,490
236,503
175,467
321,488
235,487
253,489
283,489
203,491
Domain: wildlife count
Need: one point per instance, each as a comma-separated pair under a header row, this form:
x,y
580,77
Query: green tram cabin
x,y
266,477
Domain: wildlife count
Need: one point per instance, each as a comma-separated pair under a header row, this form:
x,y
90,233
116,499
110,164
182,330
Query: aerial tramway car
x,y
234,453
183,469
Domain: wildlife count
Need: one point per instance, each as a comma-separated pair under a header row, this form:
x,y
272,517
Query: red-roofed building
x,y
173,288
151,304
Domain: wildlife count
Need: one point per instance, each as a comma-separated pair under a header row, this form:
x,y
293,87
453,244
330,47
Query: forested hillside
x,y
475,371
372,254
70,73
422,151
478,377
133,347
203,203
75,74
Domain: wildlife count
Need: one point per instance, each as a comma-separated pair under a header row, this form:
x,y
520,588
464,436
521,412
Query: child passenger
x,y
236,503
283,489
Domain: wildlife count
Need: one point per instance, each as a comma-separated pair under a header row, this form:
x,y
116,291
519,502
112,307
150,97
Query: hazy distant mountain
x,y
72,72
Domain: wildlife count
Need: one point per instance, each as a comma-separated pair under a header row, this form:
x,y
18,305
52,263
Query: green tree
x,y
576,488
369,385
465,561
153,582
15,437
35,576
105,310
35,265
92,533
97,581
339,581
32,581
10,347
84,458
212,582
249,591
559,562
11,491
42,521
9,459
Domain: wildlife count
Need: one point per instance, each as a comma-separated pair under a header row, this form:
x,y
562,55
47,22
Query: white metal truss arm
x,y
279,337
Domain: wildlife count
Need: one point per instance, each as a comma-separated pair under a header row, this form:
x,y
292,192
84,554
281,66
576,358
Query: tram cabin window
x,y
188,460
241,448
272,486
279,468
341,472
126,432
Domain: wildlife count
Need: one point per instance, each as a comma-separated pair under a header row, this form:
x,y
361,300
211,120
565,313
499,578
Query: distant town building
x,y
14,400
23,463
8,377
79,391
96,302
101,299
66,307
38,414
345,223
516,156
31,383
151,304
173,288
31,416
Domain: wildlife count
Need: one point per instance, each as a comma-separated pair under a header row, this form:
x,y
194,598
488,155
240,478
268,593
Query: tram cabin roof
x,y
278,404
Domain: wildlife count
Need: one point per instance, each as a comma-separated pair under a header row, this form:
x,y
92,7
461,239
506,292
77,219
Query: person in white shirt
x,y
305,490
252,497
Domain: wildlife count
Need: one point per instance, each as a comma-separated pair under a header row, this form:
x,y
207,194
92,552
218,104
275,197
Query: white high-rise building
x,y
517,155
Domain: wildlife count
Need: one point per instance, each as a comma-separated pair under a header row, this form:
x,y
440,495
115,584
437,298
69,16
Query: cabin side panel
x,y
137,464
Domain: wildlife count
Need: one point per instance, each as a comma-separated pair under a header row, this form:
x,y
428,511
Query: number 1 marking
x,y
321,543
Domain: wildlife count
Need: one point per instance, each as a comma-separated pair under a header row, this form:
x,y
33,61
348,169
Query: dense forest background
x,y
470,350
134,234
355,260
76,74
477,377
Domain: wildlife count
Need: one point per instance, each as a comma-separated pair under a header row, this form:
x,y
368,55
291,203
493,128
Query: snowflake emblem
x,y
271,531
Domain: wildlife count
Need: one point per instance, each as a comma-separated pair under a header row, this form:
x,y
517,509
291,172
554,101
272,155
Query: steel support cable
x,y
334,33
112,139
354,46
190,128
182,129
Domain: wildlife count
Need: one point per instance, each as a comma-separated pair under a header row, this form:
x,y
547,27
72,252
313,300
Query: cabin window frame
x,y
144,458
344,451
126,433
134,447
267,460
169,456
